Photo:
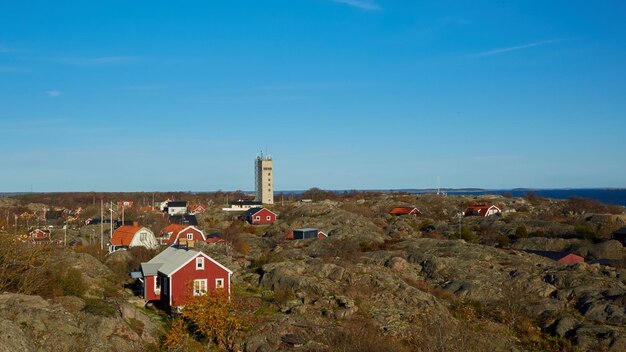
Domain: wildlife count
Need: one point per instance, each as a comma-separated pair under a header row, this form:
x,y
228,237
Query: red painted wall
x,y
197,236
182,280
263,213
149,289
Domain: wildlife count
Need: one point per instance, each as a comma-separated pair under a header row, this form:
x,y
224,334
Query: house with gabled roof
x,y
259,216
181,272
196,209
171,234
399,211
243,205
176,207
128,236
39,236
482,210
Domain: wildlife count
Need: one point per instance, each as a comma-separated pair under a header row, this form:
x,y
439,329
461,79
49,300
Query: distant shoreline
x,y
607,195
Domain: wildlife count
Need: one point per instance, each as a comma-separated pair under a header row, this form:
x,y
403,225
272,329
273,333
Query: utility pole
x,y
101,225
65,234
111,234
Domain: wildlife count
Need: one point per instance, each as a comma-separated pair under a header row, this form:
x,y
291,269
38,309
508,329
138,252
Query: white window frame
x,y
268,218
157,283
219,283
198,286
200,263
257,218
190,236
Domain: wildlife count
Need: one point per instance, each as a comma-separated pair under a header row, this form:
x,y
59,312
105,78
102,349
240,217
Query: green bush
x,y
73,284
466,234
521,232
99,307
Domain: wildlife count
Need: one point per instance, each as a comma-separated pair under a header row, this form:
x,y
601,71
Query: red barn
x,y
259,216
173,232
405,211
178,273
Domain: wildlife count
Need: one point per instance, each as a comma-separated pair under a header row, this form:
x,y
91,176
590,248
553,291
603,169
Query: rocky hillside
x,y
378,282
410,284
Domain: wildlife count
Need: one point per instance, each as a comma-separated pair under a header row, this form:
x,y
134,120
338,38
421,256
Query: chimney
x,y
136,223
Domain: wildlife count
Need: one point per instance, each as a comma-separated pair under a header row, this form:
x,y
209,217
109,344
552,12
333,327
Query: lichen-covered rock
x,y
63,326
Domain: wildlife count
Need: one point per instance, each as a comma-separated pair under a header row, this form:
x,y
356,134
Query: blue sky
x,y
344,94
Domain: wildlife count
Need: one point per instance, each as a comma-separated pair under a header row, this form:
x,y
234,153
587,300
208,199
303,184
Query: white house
x,y
127,236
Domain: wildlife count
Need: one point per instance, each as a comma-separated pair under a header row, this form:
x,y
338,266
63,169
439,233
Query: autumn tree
x,y
215,317
177,338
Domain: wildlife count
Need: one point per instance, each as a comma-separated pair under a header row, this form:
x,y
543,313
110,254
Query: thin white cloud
x,y
94,61
368,5
53,93
512,48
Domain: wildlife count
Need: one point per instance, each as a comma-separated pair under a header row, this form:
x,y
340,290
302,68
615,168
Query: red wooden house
x,y
398,211
171,234
178,273
259,216
196,209
482,210
38,236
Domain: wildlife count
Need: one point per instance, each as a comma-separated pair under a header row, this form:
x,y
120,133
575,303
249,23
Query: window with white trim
x,y
219,283
199,287
257,218
157,283
268,218
190,236
200,263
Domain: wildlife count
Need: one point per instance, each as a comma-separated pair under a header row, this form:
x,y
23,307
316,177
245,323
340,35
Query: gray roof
x,y
136,274
150,269
307,229
171,259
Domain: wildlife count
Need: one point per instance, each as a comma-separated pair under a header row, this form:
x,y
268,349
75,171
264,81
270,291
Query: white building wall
x,y
144,238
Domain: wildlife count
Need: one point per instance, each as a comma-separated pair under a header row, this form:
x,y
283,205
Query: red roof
x,y
173,229
123,235
197,208
404,211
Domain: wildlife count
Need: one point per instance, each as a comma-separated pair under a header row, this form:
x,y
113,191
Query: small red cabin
x,y
178,273
482,210
405,211
39,236
259,216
